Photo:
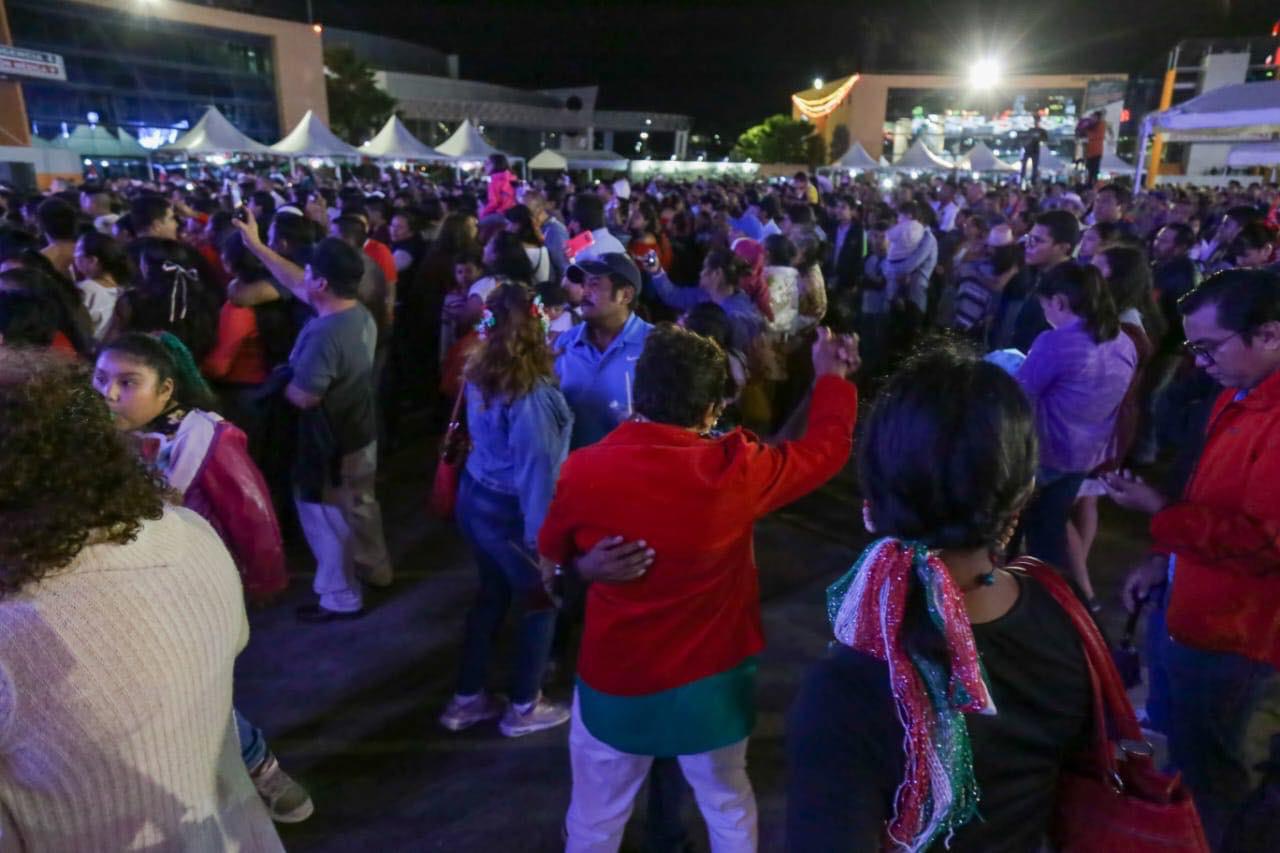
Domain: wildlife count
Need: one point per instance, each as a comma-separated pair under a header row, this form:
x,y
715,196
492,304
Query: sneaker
x,y
542,714
460,714
287,801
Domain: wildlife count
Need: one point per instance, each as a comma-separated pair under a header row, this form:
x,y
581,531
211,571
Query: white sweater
x,y
115,701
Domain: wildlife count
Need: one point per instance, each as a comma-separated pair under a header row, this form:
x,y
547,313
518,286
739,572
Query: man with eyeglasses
x,y
1215,568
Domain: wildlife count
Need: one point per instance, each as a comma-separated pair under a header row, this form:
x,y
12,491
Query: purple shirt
x,y
1076,386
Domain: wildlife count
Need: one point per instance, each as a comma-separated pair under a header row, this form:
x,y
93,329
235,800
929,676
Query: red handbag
x,y
453,455
1114,798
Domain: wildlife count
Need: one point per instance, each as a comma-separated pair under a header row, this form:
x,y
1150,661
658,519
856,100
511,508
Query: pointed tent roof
x,y
395,142
214,134
311,138
466,144
131,146
856,158
562,158
918,156
1112,163
91,140
1050,162
980,158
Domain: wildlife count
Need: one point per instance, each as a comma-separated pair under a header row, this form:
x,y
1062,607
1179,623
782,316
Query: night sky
x,y
730,64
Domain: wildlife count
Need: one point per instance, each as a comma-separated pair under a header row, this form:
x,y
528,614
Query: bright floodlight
x,y
984,74
817,82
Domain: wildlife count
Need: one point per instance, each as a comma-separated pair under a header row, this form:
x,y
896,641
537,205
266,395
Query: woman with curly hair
x,y
520,426
105,737
154,391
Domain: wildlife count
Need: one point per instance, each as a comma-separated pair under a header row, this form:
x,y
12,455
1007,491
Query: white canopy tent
x,y
131,146
919,158
1255,154
395,142
1113,164
856,158
980,158
310,138
214,134
556,159
1244,111
91,140
466,143
1050,162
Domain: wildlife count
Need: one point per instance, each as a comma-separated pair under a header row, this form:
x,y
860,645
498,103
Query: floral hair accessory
x,y
536,309
487,322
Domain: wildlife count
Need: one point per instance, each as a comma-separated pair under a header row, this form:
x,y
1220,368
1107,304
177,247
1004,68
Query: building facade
x,y
152,68
887,112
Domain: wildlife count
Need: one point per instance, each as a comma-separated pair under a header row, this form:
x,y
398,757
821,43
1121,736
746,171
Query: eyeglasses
x,y
1207,350
1031,239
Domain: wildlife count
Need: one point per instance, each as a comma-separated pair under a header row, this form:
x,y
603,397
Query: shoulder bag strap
x,y
1113,714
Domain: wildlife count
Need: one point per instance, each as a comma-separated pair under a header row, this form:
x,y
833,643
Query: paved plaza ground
x,y
350,707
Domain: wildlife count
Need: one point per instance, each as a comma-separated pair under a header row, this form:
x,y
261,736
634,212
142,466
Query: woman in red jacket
x,y
154,390
668,660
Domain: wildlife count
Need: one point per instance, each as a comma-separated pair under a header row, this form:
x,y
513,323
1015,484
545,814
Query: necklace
x,y
980,581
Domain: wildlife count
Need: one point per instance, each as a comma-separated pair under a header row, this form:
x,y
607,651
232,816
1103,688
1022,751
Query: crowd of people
x,y
643,372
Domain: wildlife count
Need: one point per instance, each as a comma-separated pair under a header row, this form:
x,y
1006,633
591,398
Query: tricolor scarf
x,y
938,793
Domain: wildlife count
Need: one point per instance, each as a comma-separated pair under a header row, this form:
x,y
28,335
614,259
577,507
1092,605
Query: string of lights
x,y
814,108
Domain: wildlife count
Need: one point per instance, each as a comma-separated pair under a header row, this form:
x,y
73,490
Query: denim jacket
x,y
517,447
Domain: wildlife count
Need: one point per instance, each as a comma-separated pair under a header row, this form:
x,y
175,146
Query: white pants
x,y
605,783
345,532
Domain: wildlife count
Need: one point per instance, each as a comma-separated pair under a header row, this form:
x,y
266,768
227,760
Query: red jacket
x,y
207,462
1225,532
502,194
696,612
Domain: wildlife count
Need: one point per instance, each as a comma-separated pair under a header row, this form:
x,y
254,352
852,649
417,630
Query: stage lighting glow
x,y
984,74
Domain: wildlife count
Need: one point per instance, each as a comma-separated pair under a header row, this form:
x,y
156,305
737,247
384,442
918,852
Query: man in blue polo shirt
x,y
597,358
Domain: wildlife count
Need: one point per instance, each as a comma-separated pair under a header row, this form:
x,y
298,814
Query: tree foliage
x,y
357,107
839,141
778,139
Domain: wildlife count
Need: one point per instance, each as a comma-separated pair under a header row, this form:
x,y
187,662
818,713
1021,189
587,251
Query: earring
x,y
867,523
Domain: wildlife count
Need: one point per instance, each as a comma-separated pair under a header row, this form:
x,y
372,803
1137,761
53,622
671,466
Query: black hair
x,y
511,260
779,250
57,218
553,294
1245,300
1062,225
1120,192
734,267
266,202
710,320
169,357
587,211
948,456
38,277
110,254
800,214
680,375
1131,287
240,262
1255,235
499,162
27,319
1182,234
519,216
770,206
352,230
296,230
1087,295
146,210
468,256
338,264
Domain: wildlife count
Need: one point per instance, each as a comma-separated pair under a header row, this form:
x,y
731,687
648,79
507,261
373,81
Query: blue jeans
x,y
493,525
253,745
1044,521
1208,701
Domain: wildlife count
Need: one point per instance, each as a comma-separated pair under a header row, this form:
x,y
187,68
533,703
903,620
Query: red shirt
x,y
695,501
238,356
1225,532
381,256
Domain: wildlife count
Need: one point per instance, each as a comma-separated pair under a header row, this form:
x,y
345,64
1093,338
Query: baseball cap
x,y
611,264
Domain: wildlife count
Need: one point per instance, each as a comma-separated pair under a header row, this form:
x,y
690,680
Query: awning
x,y
564,159
214,134
311,138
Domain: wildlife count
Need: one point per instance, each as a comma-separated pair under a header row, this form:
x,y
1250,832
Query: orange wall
x,y
299,57
863,111
14,127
